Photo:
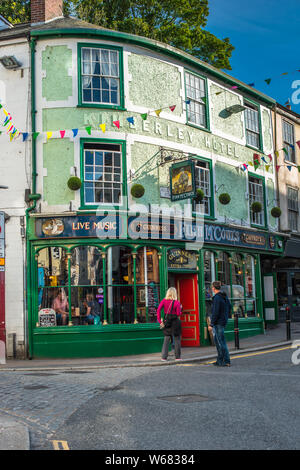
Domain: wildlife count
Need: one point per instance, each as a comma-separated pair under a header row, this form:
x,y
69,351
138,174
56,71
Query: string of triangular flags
x,y
266,80
14,133
257,161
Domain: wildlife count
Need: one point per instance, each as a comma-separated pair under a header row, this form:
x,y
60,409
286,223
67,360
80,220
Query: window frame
x,y
190,123
123,202
81,103
287,144
292,210
211,215
252,105
264,225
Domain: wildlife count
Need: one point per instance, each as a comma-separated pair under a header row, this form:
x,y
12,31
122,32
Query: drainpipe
x,y
276,172
33,197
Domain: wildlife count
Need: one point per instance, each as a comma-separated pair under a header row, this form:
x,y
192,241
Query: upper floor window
x,y
292,196
102,173
288,140
252,125
100,76
195,92
257,194
203,181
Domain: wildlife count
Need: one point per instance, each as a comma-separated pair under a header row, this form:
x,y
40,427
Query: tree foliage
x,y
180,23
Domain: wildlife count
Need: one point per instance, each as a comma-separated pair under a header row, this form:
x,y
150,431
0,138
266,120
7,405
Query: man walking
x,y
221,308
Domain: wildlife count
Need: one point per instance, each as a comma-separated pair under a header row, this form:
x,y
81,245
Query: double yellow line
x,y
60,445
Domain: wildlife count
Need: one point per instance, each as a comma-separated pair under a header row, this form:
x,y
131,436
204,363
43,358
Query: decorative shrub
x,y
224,198
276,212
74,183
256,207
137,191
199,196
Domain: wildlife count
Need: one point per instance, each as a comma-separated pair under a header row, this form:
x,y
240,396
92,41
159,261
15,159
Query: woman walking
x,y
172,312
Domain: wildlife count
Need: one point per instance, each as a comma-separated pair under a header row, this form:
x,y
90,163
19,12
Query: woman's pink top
x,y
167,305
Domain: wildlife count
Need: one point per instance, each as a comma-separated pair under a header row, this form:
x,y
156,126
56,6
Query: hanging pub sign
x,y
182,180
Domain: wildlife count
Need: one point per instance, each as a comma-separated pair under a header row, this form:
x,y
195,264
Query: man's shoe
x,y
164,360
216,364
227,365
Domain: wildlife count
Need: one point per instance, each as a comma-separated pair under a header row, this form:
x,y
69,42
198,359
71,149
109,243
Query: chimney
x,y
45,10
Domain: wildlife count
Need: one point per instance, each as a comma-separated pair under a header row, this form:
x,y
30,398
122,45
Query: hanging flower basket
x,y
256,207
276,212
224,198
137,191
74,183
199,196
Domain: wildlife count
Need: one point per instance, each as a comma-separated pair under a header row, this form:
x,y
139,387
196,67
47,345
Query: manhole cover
x,y
34,387
185,398
76,372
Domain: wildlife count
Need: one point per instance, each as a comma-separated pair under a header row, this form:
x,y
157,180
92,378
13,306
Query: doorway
x,y
187,291
289,294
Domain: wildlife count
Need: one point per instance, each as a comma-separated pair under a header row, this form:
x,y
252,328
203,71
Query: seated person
x,y
90,308
61,307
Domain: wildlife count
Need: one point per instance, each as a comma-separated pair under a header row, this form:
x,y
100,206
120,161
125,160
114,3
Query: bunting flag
x,y
278,167
268,81
270,157
117,124
267,167
276,153
251,84
25,136
102,127
35,134
49,135
88,129
263,159
172,107
256,161
62,134
298,168
144,116
285,151
234,87
189,101
75,132
289,167
130,120
158,111
298,143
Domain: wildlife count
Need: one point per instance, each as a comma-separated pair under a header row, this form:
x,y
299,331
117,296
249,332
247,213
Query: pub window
x,y
100,76
289,140
102,174
252,125
292,197
250,286
120,285
87,294
257,194
203,181
209,277
53,283
223,266
237,288
196,106
147,284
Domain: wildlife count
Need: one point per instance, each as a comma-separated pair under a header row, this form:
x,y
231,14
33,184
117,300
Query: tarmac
x,y
15,436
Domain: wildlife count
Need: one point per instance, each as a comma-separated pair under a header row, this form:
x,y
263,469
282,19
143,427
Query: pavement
x,y
15,436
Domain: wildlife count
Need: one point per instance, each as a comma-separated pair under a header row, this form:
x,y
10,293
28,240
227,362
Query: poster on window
x,y
182,180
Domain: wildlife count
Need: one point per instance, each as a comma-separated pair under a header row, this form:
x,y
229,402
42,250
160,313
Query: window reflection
x,y
209,277
147,279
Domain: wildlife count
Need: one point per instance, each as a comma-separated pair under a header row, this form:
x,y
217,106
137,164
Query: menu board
x,y
47,317
153,301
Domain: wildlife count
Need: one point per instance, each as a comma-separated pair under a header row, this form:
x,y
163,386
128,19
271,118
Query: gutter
x,y
155,46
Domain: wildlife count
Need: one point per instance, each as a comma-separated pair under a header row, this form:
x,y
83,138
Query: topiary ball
x,y
224,198
276,212
137,191
199,196
256,207
74,183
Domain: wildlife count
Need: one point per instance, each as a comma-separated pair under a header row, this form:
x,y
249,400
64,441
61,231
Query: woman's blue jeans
x,y
222,349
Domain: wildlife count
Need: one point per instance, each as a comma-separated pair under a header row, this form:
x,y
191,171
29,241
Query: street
x,y
252,405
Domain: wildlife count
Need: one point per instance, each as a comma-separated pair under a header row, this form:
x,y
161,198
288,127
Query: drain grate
x,y
35,387
185,398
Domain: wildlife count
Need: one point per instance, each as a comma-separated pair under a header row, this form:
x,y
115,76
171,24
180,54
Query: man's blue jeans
x,y
222,349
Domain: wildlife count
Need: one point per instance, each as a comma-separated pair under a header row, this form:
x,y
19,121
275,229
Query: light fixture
x,y
10,62
234,109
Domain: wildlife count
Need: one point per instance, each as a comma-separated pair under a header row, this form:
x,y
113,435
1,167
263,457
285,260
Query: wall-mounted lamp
x,y
234,109
10,62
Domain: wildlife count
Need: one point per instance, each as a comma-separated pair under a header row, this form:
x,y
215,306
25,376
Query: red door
x,y
187,288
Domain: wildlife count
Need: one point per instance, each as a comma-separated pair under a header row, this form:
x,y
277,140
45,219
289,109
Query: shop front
x,y
96,285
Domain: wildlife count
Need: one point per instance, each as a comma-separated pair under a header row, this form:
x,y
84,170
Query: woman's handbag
x,y
166,324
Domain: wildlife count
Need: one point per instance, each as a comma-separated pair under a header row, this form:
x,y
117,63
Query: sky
x,y
266,37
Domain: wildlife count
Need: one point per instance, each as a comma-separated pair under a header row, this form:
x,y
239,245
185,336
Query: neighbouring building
x,y
287,269
122,131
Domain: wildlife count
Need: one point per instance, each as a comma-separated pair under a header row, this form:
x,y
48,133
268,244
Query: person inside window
x,y
90,308
61,307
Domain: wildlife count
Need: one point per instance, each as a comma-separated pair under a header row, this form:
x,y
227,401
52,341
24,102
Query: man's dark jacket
x,y
221,308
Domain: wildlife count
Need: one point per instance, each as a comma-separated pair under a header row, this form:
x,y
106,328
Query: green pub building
x,y
139,126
